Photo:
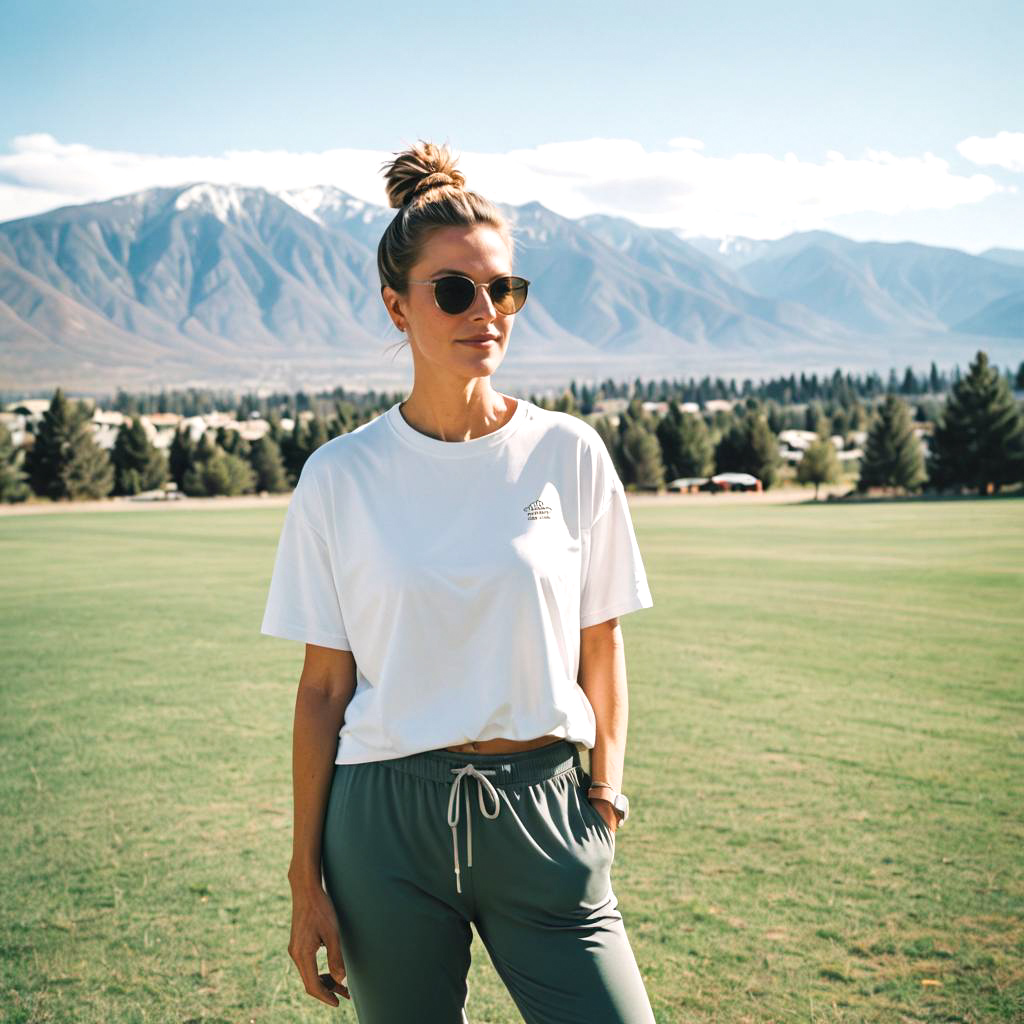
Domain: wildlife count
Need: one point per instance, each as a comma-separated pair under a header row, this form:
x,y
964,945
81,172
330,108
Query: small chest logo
x,y
537,510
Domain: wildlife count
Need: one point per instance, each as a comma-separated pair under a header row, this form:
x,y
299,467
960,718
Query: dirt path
x,y
772,497
776,496
128,505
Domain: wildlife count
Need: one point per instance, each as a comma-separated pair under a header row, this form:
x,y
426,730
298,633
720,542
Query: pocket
x,y
589,808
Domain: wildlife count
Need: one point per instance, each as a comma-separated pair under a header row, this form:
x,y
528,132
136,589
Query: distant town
x,y
902,436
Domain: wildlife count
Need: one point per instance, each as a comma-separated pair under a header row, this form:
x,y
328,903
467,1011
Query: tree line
x,y
977,444
837,389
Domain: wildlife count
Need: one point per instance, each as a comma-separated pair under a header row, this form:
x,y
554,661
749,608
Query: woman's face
x,y
437,337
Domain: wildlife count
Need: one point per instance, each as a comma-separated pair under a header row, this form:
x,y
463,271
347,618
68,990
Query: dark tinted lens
x,y
454,294
508,294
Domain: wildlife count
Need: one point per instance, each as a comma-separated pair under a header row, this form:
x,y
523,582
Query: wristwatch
x,y
618,800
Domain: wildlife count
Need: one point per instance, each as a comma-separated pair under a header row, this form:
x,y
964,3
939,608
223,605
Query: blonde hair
x,y
428,191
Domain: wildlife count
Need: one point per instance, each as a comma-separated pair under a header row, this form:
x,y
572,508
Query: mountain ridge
x,y
206,281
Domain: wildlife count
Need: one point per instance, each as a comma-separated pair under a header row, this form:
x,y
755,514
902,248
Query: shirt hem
x,y
612,611
304,635
365,755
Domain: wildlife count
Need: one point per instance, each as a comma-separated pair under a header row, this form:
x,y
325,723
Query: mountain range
x,y
219,285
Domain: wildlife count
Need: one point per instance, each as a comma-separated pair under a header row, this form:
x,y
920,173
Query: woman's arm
x,y
603,678
326,686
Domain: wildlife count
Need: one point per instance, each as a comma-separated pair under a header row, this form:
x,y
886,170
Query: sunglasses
x,y
455,293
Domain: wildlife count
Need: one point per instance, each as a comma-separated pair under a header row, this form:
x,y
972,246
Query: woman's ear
x,y
393,302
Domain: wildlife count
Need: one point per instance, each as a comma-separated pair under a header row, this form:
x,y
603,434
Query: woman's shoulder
x,y
566,425
581,440
344,453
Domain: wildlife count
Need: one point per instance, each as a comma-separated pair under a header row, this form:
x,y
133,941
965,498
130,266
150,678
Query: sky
x,y
894,121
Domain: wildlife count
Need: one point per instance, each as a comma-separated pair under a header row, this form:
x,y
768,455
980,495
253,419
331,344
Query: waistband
x,y
522,766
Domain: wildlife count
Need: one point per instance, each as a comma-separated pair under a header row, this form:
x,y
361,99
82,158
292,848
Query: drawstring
x,y
453,810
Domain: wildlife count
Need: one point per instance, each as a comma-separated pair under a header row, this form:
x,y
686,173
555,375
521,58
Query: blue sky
x,y
713,118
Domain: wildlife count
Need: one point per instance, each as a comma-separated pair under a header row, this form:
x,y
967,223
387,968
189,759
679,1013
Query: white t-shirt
x,y
459,574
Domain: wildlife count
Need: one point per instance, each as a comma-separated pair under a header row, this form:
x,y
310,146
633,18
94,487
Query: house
x,y
719,404
736,482
687,484
610,406
34,407
658,408
17,424
163,420
797,440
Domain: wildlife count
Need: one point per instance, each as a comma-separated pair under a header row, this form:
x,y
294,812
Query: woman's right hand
x,y
315,924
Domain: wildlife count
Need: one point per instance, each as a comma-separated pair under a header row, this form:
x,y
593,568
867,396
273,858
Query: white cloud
x,y
754,194
1006,149
41,172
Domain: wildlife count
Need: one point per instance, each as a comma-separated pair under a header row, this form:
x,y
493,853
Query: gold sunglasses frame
x,y
476,286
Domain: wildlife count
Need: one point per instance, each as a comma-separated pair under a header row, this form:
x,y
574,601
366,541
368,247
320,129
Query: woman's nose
x,y
488,305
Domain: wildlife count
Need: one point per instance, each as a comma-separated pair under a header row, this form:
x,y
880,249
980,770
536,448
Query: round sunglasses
x,y
454,293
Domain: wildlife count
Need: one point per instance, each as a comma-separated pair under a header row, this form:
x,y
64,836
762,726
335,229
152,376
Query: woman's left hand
x,y
607,811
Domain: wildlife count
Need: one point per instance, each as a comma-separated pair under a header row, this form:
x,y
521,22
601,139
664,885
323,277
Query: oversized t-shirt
x,y
459,574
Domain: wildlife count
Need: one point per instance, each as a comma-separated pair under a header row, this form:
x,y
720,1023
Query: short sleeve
x,y
614,581
302,603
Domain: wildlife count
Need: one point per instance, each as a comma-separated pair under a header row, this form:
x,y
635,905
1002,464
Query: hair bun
x,y
418,170
435,180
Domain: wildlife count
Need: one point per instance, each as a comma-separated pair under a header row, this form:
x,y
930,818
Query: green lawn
x,y
825,768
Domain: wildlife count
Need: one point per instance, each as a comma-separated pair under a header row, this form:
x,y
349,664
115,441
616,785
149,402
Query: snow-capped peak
x,y
222,201
325,203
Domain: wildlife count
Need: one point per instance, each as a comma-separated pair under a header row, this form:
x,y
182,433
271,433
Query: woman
x,y
456,568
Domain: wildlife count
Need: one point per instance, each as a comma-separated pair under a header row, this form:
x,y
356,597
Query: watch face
x,y
621,804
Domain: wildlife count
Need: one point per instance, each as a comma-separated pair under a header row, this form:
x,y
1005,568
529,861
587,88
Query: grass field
x,y
825,767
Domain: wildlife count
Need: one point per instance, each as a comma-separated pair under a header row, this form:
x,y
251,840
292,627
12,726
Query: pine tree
x,y
268,465
318,434
44,459
192,481
180,456
13,485
764,450
840,423
138,465
892,454
814,418
215,471
633,446
642,454
696,454
295,448
88,472
979,439
818,465
749,446
339,422
685,444
65,462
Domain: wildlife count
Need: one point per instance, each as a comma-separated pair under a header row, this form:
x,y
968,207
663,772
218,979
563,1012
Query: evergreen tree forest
x,y
939,432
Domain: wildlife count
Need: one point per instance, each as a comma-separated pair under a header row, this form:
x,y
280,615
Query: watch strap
x,y
618,800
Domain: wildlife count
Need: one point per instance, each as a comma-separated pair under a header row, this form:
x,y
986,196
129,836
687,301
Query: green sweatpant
x,y
415,848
